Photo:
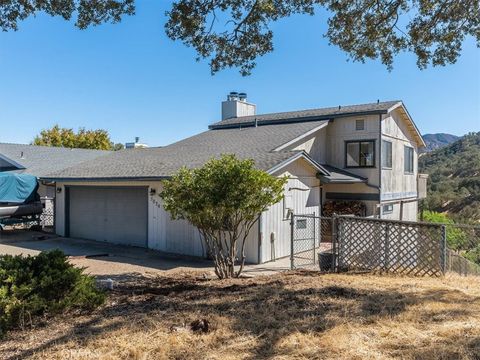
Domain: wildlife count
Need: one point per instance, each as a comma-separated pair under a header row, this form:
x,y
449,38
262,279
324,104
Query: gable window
x,y
408,159
360,153
386,154
387,209
360,124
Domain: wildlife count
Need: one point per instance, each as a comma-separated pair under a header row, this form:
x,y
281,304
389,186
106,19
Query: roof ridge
x,y
317,108
306,115
51,147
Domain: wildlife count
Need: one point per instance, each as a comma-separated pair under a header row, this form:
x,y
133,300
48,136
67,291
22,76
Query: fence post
x,y
314,219
386,246
444,249
334,242
292,224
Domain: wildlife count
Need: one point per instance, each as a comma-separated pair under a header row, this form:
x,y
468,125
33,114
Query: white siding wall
x,y
302,177
164,234
343,129
315,145
396,184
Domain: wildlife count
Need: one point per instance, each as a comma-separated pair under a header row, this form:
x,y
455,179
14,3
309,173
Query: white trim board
x,y
298,138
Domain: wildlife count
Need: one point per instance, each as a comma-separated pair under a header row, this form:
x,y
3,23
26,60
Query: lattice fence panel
x,y
390,246
47,218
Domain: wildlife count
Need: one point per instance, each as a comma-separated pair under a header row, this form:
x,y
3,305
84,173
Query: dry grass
x,y
286,316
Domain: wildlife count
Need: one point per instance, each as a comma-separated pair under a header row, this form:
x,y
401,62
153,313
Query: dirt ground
x,y
302,315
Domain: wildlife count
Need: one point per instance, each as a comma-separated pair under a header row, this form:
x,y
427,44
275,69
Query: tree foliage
x,y
454,179
83,139
234,33
87,12
223,199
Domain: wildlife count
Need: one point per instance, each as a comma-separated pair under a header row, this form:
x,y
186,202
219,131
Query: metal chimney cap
x,y
232,96
242,96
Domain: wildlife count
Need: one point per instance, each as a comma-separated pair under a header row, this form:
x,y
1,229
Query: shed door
x,y
114,214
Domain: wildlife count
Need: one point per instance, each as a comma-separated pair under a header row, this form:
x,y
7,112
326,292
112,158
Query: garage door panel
x,y
117,215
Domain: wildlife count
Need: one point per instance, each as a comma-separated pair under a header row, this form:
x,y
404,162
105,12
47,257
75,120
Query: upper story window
x,y
408,159
386,154
360,124
360,153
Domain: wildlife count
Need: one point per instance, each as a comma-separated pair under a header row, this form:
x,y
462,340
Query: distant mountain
x,y
454,181
437,141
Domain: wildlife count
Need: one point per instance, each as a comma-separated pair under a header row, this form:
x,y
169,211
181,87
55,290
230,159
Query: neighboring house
x,y
42,160
366,153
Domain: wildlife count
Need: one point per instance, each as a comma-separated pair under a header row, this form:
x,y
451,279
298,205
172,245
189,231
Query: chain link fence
x,y
463,249
312,242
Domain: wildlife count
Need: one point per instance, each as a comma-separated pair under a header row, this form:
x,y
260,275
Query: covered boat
x,y
18,196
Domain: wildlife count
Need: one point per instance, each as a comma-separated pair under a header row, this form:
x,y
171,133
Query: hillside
x,y
454,183
437,141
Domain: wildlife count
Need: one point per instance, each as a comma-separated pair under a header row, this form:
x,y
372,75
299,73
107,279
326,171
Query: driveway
x,y
104,259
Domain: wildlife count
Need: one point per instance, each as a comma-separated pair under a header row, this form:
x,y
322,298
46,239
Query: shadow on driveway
x,y
98,257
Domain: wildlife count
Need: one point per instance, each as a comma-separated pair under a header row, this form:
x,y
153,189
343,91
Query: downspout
x,y
380,165
259,240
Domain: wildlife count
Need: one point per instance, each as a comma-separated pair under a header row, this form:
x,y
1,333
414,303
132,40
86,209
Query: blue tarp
x,y
18,188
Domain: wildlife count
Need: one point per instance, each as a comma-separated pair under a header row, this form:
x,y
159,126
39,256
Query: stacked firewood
x,y
355,208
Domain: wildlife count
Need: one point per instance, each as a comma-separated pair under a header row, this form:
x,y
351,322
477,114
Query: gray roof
x,y
340,176
306,115
43,160
256,143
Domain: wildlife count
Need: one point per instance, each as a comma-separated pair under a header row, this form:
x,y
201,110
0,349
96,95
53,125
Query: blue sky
x,y
130,79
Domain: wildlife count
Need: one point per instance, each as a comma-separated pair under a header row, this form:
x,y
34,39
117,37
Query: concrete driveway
x,y
99,258
104,259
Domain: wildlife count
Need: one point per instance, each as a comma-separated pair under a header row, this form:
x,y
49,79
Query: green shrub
x,y
42,285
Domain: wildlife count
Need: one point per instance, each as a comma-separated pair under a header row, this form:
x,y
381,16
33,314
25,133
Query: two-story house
x,y
365,154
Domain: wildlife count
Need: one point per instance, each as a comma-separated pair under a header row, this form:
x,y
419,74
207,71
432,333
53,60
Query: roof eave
x,y
103,179
420,140
297,156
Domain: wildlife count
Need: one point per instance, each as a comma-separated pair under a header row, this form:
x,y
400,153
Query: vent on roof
x,y
236,105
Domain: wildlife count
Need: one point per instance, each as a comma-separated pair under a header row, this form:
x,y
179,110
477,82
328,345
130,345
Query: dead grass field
x,y
286,316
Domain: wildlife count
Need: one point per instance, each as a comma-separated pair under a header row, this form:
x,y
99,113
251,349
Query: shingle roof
x,y
340,176
305,115
253,142
43,160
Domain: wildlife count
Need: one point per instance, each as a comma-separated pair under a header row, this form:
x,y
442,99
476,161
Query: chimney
x,y
236,105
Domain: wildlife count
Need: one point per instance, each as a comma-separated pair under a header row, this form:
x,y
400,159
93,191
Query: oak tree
x,y
234,33
223,199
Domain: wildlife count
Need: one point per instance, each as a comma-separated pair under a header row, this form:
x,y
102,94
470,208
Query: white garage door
x,y
114,214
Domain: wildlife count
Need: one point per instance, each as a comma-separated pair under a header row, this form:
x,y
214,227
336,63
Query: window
x,y
301,223
359,124
408,159
386,154
387,209
360,154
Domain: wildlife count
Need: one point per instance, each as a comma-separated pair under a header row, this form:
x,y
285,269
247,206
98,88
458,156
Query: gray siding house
x,y
365,153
